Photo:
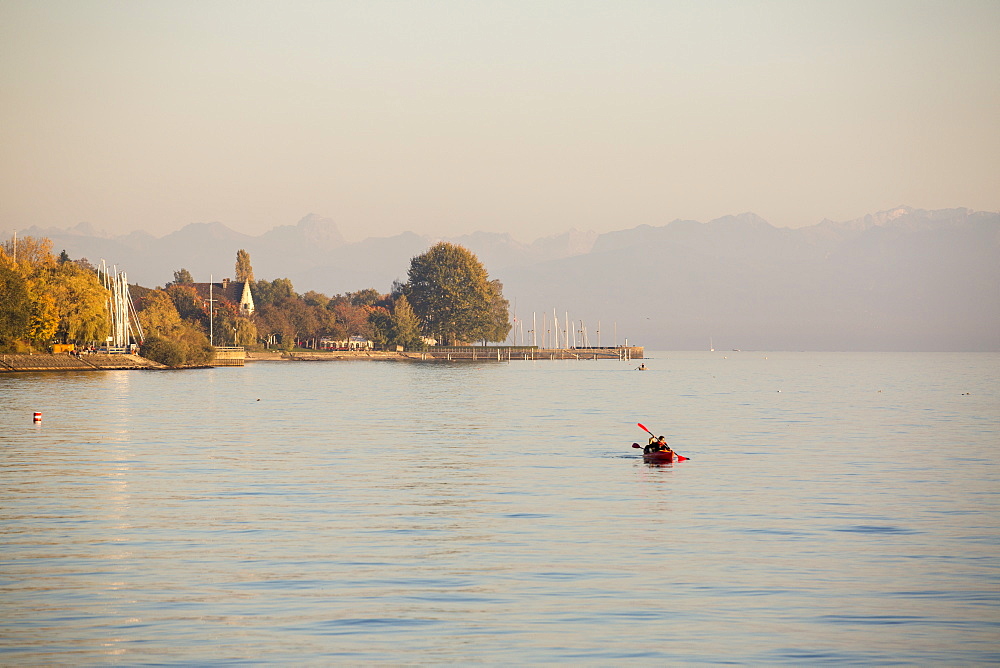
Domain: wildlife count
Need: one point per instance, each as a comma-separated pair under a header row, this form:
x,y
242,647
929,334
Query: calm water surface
x,y
838,508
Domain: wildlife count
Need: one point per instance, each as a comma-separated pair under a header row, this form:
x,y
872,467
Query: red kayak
x,y
659,457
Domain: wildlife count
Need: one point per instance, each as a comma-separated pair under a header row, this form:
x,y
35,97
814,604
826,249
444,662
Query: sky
x,y
530,117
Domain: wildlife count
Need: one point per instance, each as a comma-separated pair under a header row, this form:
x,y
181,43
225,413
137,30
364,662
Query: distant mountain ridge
x,y
900,279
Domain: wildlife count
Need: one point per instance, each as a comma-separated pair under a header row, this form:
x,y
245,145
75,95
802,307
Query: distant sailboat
x,y
711,346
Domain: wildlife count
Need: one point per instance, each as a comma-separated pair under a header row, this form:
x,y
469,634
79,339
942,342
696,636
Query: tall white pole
x,y
534,330
211,310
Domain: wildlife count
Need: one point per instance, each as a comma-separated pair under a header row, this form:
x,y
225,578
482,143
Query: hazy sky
x,y
529,117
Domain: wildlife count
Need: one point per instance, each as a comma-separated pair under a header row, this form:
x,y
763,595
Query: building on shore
x,y
236,293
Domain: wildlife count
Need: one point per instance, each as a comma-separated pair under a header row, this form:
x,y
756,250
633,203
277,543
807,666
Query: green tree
x,y
380,328
183,277
163,350
314,298
188,347
498,325
366,297
244,272
15,307
197,349
405,325
271,292
451,294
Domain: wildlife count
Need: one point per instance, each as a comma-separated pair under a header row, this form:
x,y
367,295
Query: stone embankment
x,y
458,354
68,362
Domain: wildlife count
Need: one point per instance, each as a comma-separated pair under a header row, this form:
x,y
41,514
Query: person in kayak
x,y
656,444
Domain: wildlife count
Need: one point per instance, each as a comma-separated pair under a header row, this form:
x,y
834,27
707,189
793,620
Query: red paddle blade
x,y
636,445
681,458
643,427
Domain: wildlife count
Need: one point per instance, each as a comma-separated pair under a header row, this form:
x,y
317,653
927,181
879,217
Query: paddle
x,y
680,458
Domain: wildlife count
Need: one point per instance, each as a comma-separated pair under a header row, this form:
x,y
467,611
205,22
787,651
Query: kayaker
x,y
656,444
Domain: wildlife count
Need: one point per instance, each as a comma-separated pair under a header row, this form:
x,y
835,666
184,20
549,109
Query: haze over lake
x,y
837,508
903,279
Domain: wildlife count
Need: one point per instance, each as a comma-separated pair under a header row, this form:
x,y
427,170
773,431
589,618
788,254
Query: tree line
x,y
46,298
448,299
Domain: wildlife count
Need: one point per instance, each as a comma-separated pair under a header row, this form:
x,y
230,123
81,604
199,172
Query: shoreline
x,y
27,362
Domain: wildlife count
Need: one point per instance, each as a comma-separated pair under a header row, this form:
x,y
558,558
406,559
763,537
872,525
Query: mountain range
x,y
899,280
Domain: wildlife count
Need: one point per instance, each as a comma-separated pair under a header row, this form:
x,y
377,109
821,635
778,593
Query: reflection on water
x,y
393,513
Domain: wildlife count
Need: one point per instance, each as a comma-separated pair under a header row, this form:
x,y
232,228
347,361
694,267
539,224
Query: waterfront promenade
x,y
11,363
66,362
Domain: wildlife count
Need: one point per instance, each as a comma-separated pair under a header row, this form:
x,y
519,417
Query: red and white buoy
x,y
38,416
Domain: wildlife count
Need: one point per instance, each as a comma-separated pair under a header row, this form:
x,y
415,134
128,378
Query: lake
x,y
838,508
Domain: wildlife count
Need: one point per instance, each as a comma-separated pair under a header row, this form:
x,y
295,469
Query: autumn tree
x,y
273,324
450,292
81,303
188,304
244,272
158,315
352,319
29,252
33,265
230,326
